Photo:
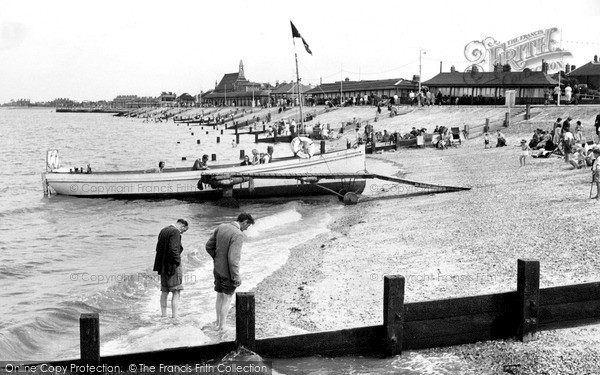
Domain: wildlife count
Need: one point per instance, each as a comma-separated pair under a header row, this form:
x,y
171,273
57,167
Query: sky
x,y
96,50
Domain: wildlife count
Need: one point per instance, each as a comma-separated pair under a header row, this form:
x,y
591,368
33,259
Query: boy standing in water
x,y
168,264
225,247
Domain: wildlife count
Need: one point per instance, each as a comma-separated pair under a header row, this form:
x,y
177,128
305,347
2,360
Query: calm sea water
x,y
63,256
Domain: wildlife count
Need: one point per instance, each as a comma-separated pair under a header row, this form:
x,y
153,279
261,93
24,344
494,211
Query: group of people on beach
x,y
258,158
224,247
565,141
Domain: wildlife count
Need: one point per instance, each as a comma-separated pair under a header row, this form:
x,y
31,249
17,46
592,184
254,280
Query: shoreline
x,y
449,245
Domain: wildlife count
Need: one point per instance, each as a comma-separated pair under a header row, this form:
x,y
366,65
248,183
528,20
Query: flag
x,y
296,34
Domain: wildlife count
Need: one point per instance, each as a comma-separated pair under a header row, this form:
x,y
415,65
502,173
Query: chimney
x,y
416,77
347,79
573,67
440,66
452,69
595,58
567,68
544,67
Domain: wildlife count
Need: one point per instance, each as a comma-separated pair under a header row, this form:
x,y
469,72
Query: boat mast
x,y
301,126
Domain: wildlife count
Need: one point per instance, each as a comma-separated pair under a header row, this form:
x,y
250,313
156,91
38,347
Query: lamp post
x,y
421,52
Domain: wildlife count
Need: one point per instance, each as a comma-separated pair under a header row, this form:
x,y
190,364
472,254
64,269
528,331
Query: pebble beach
x,y
452,244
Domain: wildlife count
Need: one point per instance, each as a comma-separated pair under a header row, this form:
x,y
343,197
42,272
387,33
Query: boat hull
x,y
183,183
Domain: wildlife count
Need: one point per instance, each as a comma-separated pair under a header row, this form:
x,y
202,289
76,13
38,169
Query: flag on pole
x,y
296,34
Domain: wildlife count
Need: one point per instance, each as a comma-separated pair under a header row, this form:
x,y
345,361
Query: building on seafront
x,y
484,88
286,94
365,92
588,74
235,90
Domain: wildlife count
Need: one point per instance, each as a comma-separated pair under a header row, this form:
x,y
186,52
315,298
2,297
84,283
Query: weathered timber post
x,y
528,298
506,120
242,154
393,314
237,138
255,137
527,113
89,338
322,147
486,128
244,320
213,157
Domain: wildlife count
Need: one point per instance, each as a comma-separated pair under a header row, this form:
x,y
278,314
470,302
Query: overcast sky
x,y
93,50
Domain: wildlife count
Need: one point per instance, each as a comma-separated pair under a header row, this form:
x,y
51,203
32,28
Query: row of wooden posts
x,y
418,325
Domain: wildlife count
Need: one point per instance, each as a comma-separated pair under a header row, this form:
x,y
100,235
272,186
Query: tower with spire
x,y
241,76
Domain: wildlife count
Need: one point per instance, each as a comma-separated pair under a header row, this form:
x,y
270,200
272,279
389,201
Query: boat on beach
x,y
328,173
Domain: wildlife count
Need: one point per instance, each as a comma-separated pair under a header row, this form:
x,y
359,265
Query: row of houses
x,y
454,87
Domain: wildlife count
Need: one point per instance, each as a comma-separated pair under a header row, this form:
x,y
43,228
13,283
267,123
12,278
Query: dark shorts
x,y
172,283
223,284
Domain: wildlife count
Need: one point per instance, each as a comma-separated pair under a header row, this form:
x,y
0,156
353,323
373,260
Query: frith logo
x,y
525,51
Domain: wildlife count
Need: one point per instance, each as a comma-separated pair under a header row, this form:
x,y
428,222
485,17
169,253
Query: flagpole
x,y
299,94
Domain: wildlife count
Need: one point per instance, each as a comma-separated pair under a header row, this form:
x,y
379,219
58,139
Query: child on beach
x,y
524,152
486,140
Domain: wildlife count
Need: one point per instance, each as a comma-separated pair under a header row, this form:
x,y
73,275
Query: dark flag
x,y
296,34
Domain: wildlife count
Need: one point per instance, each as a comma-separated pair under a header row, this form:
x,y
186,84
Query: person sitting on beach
x,y
246,160
386,136
501,140
486,141
577,160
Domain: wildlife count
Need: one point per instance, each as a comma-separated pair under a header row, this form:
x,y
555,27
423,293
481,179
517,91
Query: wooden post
x,y
237,138
393,314
255,137
322,147
486,128
218,139
527,109
506,120
528,292
213,157
89,338
244,320
242,154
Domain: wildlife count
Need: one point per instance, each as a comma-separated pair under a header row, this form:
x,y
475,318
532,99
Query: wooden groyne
x,y
521,313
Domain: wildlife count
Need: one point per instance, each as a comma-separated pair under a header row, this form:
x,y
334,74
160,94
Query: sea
x,y
63,256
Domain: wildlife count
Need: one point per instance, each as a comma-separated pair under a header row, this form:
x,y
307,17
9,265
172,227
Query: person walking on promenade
x,y
168,264
225,247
